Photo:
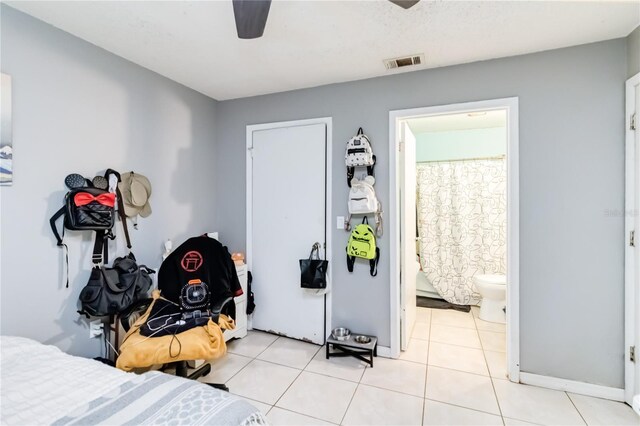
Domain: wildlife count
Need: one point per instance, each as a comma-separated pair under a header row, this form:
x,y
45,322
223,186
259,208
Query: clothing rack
x,y
499,157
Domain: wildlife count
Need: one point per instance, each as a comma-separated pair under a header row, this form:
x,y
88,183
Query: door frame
x,y
513,218
328,122
631,283
406,260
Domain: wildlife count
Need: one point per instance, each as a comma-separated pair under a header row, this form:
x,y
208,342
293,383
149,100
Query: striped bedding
x,y
43,385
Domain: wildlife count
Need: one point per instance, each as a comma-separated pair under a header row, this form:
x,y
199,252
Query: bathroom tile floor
x,y
453,373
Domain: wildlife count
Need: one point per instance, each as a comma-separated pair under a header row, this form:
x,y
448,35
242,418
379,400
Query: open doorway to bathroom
x,y
454,194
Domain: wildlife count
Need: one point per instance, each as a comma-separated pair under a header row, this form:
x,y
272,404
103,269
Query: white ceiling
x,y
311,43
464,121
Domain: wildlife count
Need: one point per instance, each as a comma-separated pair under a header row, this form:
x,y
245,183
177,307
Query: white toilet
x,y
493,289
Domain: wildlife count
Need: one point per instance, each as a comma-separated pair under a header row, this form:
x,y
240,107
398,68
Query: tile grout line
x,y
467,347
266,347
362,374
269,345
455,326
495,394
459,346
251,360
275,363
576,407
470,409
460,371
463,346
349,405
305,415
390,390
354,393
324,375
329,377
294,380
332,377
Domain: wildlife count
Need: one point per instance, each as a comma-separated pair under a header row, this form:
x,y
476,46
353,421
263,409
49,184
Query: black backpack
x,y
90,209
87,209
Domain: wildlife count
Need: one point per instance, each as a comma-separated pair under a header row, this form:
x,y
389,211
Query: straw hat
x,y
136,191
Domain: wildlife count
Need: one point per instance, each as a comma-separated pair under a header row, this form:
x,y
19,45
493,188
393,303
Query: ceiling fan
x,y
251,15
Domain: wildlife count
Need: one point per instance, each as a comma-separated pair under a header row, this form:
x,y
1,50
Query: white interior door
x,y
287,215
408,265
632,245
636,186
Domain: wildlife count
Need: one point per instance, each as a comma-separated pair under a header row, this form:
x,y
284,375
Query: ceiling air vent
x,y
405,61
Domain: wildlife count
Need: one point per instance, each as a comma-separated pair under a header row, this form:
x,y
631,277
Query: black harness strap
x,y
371,168
52,222
350,174
98,248
66,261
373,263
120,201
123,217
350,261
59,239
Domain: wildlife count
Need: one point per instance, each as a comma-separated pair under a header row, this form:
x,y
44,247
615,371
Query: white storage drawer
x,y
242,277
241,323
241,307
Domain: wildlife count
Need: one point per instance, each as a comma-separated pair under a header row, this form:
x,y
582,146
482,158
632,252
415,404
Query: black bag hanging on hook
x,y
85,209
112,290
313,271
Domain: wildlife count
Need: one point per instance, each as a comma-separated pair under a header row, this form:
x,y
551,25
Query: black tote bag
x,y
313,271
112,290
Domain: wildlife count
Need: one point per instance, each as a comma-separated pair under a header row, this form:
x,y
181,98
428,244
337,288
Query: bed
x,y
42,385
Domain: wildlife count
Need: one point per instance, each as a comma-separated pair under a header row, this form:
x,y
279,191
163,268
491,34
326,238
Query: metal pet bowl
x,y
362,339
341,333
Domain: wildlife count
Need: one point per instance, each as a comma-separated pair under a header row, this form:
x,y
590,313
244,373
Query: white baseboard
x,y
384,351
581,388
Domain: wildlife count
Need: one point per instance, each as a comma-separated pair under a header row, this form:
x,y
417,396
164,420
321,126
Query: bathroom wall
x,y
459,144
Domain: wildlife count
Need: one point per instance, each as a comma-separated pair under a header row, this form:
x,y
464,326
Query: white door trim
x,y
513,215
328,121
631,291
581,388
408,221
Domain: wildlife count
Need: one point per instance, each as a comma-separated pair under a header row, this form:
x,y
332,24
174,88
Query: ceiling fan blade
x,y
405,4
251,17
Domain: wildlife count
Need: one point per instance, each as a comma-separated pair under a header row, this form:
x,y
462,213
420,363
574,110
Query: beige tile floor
x,y
453,373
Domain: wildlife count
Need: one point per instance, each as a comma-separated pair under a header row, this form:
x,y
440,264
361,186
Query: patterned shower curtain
x,y
462,220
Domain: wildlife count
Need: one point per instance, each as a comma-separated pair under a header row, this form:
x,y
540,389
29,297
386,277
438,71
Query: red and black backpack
x,y
90,209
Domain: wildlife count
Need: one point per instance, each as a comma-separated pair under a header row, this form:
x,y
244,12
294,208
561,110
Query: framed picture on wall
x,y
6,138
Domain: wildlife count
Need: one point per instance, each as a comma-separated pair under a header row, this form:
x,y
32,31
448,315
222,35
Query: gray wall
x,y
571,189
633,52
78,108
